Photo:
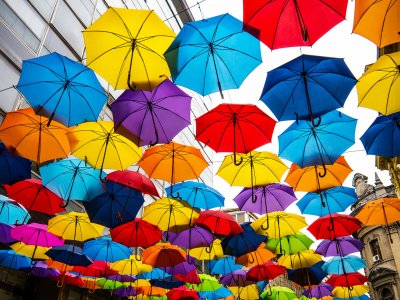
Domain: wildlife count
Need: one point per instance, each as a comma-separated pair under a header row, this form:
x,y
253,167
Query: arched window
x,y
387,293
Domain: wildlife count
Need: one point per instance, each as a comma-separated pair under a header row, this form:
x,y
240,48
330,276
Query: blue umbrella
x,y
362,297
118,205
333,200
11,212
307,145
13,168
154,274
383,136
307,87
105,249
12,260
342,265
242,243
223,265
168,282
222,292
72,179
61,89
197,194
308,276
70,255
212,55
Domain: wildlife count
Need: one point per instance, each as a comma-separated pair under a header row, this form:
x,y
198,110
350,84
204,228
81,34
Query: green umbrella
x,y
278,293
290,244
207,284
108,284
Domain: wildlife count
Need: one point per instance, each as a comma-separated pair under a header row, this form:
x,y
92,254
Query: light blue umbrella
x,y
11,212
222,292
223,265
329,201
12,260
73,179
105,249
341,265
154,274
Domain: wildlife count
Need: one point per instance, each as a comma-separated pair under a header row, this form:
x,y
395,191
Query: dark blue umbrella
x,y
383,136
242,243
70,255
105,249
61,89
223,265
307,87
212,55
12,260
307,145
308,276
197,194
326,202
118,205
13,168
168,282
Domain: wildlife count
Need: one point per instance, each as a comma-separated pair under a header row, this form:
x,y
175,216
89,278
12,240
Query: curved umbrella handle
x,y
189,261
60,283
235,160
269,292
324,170
253,198
316,124
91,291
262,225
208,249
64,205
176,196
103,180
322,200
251,260
138,257
331,227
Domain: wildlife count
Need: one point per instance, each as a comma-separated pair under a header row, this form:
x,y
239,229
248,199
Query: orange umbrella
x,y
58,265
149,290
258,257
28,135
310,179
163,255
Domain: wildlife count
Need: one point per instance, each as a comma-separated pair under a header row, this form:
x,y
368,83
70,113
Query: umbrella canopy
x,y
14,168
340,246
334,226
198,194
41,269
190,277
207,283
125,291
5,234
278,293
308,179
102,147
35,234
302,259
349,293
307,145
378,86
70,255
12,260
348,279
130,266
308,276
31,251
248,292
219,222
182,268
267,271
35,196
322,290
342,265
110,284
126,46
377,21
223,265
237,128
257,257
382,136
118,205
153,117
192,237
214,251
212,55
291,23
26,134
182,293
11,212
97,269
105,249
163,255
290,244
134,180
307,87
61,89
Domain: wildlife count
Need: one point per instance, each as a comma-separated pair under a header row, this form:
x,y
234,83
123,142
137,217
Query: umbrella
x,y
308,179
281,24
379,86
302,259
266,198
248,292
214,251
182,268
105,249
97,269
382,136
237,128
14,168
102,147
221,292
334,226
31,251
182,293
259,256
61,89
212,55
154,274
340,246
290,244
198,194
130,266
153,117
278,293
126,46
134,180
41,269
321,290
219,222
163,255
35,234
333,200
377,21
308,276
349,293
235,278
173,162
342,265
348,279
12,260
72,179
383,211
11,212
207,283
118,205
110,284
63,268
35,196
27,135
70,255
223,265
307,87
5,234
125,291
306,145
192,237
267,271
169,282
190,277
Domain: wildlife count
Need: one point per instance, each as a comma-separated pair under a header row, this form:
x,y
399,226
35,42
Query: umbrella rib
x,y
384,77
120,46
222,48
62,79
144,65
227,69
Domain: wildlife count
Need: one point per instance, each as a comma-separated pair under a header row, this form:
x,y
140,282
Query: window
x,y
387,293
45,7
375,249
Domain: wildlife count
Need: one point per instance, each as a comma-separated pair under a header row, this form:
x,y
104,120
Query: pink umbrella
x,y
35,234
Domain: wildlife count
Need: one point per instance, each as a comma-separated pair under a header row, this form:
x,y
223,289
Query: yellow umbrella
x,y
302,259
214,251
278,224
31,251
130,266
74,226
102,148
257,168
349,293
126,47
248,292
379,87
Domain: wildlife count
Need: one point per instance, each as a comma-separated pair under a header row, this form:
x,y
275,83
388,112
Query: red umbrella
x,y
219,222
348,279
267,271
97,269
190,277
334,226
34,196
182,293
68,278
134,180
289,23
237,128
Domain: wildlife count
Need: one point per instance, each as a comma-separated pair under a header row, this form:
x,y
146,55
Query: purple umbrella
x,y
41,269
5,234
192,238
319,291
265,199
341,246
121,278
125,292
182,268
153,117
236,278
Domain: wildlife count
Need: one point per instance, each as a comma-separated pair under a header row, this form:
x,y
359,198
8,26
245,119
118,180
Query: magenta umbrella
x,y
35,234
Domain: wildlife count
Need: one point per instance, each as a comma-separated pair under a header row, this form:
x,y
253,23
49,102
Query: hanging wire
x,y
186,9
